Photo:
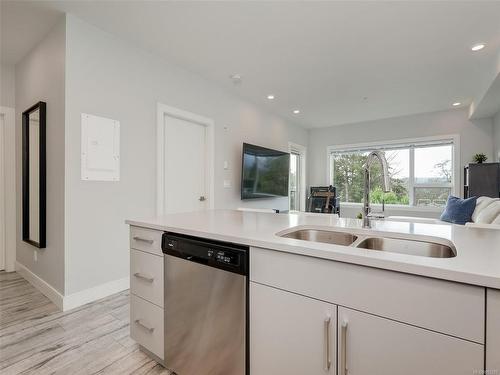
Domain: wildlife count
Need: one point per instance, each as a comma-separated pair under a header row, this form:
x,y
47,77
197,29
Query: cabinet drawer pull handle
x,y
146,327
144,277
328,361
343,349
147,240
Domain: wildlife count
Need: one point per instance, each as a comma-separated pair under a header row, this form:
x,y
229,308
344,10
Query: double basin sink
x,y
380,243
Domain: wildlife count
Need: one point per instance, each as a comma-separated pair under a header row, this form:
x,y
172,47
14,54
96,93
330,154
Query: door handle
x,y
137,238
145,326
202,199
144,277
343,348
326,326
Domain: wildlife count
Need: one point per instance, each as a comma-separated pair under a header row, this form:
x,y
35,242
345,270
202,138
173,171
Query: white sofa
x,y
486,214
487,211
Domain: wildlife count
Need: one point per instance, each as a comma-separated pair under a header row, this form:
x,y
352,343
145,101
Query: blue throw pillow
x,y
459,211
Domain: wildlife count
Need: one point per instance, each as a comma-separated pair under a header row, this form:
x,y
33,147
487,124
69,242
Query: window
x,y
421,173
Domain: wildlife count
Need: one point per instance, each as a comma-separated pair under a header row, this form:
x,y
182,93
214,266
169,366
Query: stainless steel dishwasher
x,y
206,306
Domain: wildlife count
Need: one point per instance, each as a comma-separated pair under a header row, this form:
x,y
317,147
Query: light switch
x,y
227,184
226,164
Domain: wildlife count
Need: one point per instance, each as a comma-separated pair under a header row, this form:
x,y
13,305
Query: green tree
x,y
349,180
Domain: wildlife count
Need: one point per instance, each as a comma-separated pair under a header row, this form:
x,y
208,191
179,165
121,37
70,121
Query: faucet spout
x,y
386,181
380,157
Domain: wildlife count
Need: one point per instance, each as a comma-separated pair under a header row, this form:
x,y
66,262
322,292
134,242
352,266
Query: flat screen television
x,y
264,173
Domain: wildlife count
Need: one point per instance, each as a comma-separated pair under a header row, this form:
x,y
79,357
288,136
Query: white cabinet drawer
x,y
438,305
146,276
146,325
146,240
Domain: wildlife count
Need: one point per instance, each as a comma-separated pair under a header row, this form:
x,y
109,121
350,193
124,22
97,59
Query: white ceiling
x,y
338,62
22,25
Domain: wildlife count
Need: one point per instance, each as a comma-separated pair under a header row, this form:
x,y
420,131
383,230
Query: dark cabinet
x,y
482,179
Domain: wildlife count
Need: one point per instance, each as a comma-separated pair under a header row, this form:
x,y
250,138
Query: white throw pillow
x,y
489,214
481,204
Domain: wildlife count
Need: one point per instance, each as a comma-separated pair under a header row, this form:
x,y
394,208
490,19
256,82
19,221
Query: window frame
x,y
411,144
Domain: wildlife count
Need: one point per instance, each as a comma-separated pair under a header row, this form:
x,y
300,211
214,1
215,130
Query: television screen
x,y
264,172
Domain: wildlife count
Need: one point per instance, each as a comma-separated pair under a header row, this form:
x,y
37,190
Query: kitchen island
x,y
317,307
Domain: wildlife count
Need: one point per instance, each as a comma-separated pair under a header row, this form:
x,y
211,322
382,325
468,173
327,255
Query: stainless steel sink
x,y
368,241
327,236
410,247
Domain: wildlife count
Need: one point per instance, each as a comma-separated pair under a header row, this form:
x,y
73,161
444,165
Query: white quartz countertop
x,y
478,249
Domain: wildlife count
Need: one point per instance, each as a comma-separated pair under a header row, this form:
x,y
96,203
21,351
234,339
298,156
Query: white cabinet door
x,y
493,332
371,345
290,334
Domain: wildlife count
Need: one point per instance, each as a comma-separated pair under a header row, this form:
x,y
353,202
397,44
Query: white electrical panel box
x,y
100,148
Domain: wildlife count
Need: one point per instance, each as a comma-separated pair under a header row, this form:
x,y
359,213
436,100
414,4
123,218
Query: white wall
x,y
108,77
474,137
496,137
486,96
7,86
40,77
7,104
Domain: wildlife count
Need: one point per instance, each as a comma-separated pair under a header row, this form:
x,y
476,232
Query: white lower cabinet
x,y
290,334
371,345
146,290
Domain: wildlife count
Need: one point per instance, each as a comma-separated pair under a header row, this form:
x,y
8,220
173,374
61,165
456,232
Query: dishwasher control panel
x,y
226,256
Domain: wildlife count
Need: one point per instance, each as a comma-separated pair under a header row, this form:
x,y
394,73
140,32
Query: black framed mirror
x,y
34,175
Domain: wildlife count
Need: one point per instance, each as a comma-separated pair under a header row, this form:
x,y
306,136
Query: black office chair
x,y
323,199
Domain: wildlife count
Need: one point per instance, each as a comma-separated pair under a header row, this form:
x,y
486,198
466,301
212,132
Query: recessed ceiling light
x,y
296,111
456,104
270,97
478,47
236,78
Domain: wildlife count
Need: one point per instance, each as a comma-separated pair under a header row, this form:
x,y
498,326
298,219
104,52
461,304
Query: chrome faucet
x,y
386,184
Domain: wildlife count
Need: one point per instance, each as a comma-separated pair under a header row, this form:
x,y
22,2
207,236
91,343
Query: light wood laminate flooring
x,y
37,338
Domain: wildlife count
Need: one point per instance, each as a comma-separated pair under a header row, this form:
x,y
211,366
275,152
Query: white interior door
x,y
185,175
2,192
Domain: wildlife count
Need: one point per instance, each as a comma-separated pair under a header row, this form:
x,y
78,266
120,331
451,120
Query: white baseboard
x,y
44,287
73,300
92,294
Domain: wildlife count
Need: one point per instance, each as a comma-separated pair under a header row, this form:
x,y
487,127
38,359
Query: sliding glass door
x,y
297,184
295,192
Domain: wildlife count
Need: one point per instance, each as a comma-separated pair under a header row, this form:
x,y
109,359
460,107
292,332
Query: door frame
x,y
165,110
302,151
9,196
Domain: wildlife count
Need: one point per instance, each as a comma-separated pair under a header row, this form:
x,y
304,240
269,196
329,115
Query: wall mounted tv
x,y
264,173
